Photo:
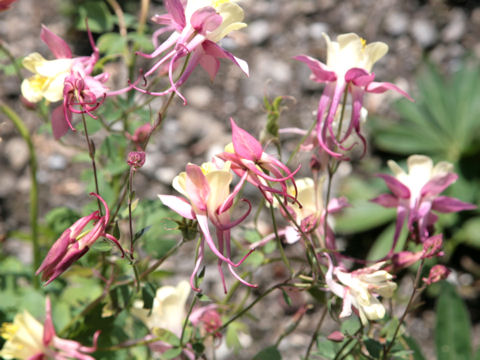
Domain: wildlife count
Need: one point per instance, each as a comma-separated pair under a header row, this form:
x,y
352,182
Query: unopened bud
x,y
136,159
437,273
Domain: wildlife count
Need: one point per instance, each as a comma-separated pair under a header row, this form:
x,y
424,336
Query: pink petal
x,y
359,77
179,205
446,204
210,64
211,48
59,125
205,19
176,11
245,144
337,204
395,186
319,70
386,200
436,185
381,87
48,328
197,186
55,43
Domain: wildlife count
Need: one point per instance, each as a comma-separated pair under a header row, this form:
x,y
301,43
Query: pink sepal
x,y
395,186
381,87
446,204
56,44
177,13
436,185
179,205
60,125
386,200
205,19
245,145
320,72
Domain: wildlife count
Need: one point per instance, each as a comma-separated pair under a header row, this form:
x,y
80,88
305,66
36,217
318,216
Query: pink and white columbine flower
x,y
66,78
360,288
207,189
27,339
75,242
309,213
251,163
348,68
197,25
416,194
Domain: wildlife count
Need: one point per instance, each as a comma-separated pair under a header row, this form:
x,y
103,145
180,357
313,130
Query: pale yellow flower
x,y
168,310
351,51
48,79
24,337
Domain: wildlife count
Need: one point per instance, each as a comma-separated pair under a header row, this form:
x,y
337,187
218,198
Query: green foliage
x,y
269,353
452,329
442,123
100,19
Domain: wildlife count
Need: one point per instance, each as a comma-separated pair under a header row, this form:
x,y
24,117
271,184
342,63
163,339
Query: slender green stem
x,y
23,130
315,334
185,322
279,242
302,140
252,304
292,327
91,153
10,56
407,309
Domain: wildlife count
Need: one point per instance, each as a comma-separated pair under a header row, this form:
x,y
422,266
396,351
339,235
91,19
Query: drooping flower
x,y
75,242
208,318
348,69
360,288
308,213
27,339
197,25
416,194
207,189
66,78
168,310
252,164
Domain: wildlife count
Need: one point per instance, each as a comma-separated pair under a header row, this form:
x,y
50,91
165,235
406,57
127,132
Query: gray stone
x,y
17,153
456,27
56,162
424,32
317,29
199,96
259,31
396,23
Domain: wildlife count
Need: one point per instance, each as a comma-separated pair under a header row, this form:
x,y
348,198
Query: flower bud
x,y
136,159
437,273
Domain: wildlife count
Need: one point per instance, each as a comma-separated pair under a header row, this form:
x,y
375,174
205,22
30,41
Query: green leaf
x,y
111,43
102,246
99,17
374,348
452,328
470,232
148,294
362,216
413,345
384,243
269,353
171,353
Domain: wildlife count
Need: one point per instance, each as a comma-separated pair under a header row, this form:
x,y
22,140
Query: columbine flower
x,y
136,159
308,213
209,318
66,78
416,194
360,288
197,25
168,310
349,64
75,242
207,189
252,164
27,339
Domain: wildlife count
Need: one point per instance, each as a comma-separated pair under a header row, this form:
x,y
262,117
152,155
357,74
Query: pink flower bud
x,y
336,336
136,159
437,273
